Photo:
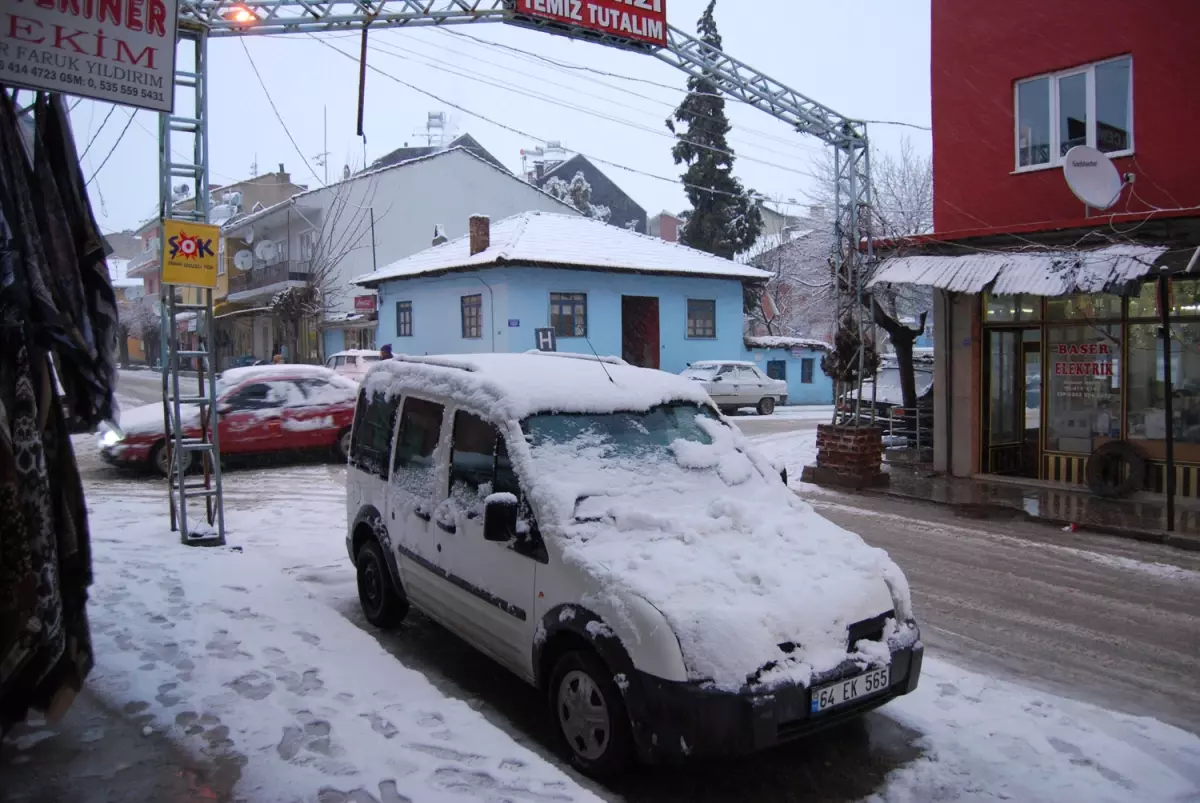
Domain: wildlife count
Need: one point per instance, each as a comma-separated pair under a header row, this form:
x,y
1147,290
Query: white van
x,y
604,533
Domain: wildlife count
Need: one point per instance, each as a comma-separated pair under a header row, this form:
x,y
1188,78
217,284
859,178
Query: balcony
x,y
266,275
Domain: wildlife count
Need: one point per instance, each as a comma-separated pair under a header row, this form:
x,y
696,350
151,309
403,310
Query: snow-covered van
x,y
603,532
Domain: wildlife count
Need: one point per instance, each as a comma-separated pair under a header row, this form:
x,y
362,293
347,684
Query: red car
x,y
262,410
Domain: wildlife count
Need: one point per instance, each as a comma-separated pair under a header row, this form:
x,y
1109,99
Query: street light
x,y
239,14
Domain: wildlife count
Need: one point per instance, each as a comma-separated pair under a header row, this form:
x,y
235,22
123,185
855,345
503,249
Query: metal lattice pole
x,y
183,448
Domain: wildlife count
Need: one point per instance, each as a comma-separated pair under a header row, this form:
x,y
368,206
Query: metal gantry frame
x,y
194,464
200,20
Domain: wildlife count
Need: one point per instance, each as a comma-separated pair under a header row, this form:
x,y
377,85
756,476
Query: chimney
x,y
481,233
439,234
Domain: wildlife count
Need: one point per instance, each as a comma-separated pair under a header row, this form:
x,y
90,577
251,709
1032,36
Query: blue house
x,y
655,304
796,360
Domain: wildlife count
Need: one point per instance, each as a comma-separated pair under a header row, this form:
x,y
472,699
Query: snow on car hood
x,y
148,419
709,535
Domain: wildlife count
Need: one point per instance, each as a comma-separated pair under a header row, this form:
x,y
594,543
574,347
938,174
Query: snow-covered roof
x,y
514,386
239,223
118,273
1040,273
541,238
777,342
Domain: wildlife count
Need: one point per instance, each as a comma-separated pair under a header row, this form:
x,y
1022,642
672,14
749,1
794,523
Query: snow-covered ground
x,y
822,414
242,655
226,651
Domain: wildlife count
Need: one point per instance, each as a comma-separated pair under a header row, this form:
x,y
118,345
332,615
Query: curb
x,y
982,511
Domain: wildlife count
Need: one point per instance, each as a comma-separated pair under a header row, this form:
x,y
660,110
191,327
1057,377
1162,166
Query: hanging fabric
x,y
58,343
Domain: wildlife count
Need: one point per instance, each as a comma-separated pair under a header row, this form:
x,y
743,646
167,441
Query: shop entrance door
x,y
1012,435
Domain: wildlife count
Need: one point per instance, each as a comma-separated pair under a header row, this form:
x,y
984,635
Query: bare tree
x,y
797,300
345,226
902,206
139,318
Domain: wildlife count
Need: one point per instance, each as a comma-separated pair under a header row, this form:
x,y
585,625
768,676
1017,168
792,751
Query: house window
x,y
308,245
403,319
1091,105
472,316
806,370
701,318
777,369
568,314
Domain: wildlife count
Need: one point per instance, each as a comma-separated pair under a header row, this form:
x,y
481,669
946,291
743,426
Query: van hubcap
x,y
583,715
369,583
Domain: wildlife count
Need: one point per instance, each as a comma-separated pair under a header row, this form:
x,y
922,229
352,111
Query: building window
x,y
403,319
701,318
472,317
1091,105
806,370
777,369
568,314
1003,309
308,246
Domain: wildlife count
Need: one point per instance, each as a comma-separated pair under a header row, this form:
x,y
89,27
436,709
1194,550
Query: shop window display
x,y
1083,373
1146,393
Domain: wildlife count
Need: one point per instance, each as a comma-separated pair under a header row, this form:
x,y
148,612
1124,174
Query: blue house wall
x,y
333,341
516,301
818,391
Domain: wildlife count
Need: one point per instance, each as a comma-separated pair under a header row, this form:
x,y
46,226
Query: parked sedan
x,y
733,384
262,410
353,363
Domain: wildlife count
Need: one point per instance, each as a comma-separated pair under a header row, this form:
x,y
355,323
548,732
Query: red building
x,y
1046,311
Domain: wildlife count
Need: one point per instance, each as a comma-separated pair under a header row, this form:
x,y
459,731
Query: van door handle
x,y
422,515
447,528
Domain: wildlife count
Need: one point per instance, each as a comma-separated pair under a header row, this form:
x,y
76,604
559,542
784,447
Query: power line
x,y
518,131
111,110
583,109
896,122
533,57
279,117
120,137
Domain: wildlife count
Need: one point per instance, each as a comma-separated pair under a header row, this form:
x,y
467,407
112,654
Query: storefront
x,y
1062,376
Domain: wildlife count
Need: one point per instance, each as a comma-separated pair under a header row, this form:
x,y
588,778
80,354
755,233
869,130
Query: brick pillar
x,y
848,457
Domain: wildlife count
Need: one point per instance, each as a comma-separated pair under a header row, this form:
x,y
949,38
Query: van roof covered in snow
x,y
514,386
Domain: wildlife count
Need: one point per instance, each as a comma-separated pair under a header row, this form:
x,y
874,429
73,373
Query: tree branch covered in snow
x,y
578,193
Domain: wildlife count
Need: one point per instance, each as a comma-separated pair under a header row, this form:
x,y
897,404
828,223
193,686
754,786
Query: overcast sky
x,y
864,58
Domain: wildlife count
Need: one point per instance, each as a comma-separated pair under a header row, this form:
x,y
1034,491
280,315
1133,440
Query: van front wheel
x,y
381,603
590,714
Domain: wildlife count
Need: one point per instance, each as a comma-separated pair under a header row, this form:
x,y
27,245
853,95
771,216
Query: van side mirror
x,y
718,379
783,475
500,518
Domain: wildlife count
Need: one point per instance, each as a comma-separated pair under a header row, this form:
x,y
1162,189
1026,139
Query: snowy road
x,y
1069,617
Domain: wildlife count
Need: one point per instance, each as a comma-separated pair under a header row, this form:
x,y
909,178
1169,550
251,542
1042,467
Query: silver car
x,y
733,384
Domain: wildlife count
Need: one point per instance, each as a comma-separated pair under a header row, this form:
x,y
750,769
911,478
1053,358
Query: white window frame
x,y
1056,158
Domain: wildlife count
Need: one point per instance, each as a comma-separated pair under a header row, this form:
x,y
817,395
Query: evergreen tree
x,y
724,219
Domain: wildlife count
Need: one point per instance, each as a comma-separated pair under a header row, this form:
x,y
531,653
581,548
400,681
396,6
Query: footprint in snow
x,y
388,793
484,786
253,686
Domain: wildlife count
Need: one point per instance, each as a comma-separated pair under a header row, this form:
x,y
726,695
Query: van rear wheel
x,y
384,606
590,714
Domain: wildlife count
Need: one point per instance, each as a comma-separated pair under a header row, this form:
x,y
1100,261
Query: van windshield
x,y
623,434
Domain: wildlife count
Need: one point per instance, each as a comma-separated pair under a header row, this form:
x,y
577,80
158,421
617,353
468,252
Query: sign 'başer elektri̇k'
x,y
635,20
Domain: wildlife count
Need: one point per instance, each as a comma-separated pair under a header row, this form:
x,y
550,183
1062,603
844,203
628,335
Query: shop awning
x,y
1032,272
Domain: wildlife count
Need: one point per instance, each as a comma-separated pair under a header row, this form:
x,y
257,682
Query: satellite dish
x,y
243,260
265,250
1091,176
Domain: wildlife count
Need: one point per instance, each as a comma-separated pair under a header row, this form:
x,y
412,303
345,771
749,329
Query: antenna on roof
x,y
593,348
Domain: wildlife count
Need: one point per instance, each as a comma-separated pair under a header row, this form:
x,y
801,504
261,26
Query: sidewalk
x,y
98,755
1142,519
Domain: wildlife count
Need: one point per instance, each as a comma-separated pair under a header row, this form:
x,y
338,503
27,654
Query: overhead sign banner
x,y
642,21
122,51
190,253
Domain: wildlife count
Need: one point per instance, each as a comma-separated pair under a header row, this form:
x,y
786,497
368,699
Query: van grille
x,y
869,629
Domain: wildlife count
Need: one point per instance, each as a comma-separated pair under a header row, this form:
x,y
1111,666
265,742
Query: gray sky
x,y
865,58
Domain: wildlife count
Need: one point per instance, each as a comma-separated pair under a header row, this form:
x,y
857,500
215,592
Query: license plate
x,y
849,690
